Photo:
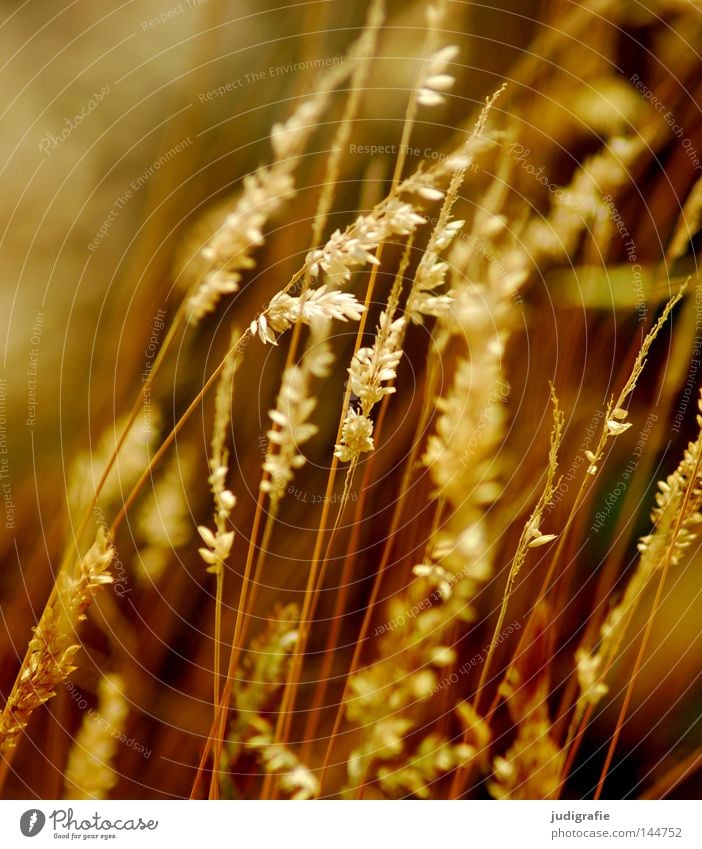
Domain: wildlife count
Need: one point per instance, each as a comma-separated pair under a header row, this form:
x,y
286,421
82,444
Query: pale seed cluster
x,y
294,406
312,305
52,649
371,373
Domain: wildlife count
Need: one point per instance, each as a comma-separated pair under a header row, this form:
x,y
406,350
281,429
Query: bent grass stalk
x,y
611,427
289,692
530,537
409,467
678,538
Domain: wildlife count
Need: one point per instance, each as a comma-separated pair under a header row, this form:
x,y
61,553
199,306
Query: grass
x,y
364,557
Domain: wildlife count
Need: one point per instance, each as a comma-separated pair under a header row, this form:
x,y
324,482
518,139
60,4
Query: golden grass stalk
x,y
52,649
531,537
90,772
262,674
218,543
531,767
336,260
675,518
385,696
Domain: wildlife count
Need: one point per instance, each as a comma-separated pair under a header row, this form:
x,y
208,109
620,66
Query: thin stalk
x,y
647,632
290,689
340,602
425,415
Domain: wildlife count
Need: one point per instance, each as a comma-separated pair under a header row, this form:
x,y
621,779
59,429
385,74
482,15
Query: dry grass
x,y
374,511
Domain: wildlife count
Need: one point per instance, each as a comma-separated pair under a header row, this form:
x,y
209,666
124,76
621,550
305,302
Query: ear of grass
x,y
90,773
361,54
263,671
51,652
218,543
612,427
678,512
289,693
531,768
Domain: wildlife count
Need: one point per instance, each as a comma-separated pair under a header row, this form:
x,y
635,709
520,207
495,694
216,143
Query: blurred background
x,y
124,132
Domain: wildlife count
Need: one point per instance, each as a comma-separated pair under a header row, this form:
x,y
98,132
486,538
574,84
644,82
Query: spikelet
x,y
579,205
163,521
356,437
372,373
433,758
88,467
90,771
294,406
355,247
388,697
531,767
227,254
52,649
262,675
219,542
433,78
312,305
424,299
532,535
614,424
372,369
675,518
